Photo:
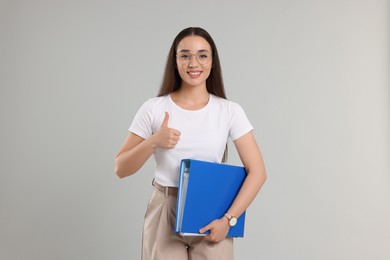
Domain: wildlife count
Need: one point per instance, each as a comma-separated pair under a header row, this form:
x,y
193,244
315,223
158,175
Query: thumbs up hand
x,y
166,137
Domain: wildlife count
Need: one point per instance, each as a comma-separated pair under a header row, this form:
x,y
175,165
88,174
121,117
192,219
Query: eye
x,y
203,56
184,56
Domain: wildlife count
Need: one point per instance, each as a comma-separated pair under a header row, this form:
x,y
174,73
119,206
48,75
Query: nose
x,y
193,61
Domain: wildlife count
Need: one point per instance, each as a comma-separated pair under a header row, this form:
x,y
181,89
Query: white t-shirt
x,y
204,132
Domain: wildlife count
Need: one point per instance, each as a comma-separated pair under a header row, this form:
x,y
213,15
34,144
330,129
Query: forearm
x,y
129,162
251,186
256,175
136,151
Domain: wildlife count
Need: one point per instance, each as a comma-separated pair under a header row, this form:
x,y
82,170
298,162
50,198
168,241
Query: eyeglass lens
x,y
203,57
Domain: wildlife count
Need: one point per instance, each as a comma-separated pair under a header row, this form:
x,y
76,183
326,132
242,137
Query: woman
x,y
190,118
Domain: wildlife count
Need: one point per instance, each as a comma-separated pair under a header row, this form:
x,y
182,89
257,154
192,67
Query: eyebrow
x,y
202,50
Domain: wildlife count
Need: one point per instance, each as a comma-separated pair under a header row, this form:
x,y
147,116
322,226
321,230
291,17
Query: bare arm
x,y
136,150
252,159
250,155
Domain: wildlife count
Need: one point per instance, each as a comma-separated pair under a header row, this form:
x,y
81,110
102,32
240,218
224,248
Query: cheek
x,y
182,71
207,71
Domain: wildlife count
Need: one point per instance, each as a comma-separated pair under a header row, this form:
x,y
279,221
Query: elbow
x,y
263,176
125,168
121,171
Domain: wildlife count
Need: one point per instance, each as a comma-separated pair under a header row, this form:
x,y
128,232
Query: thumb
x,y
166,118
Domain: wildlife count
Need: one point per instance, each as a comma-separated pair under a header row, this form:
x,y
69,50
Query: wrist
x,y
225,220
232,220
152,142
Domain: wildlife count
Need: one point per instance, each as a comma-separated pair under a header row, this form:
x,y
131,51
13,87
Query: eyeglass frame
x,y
196,55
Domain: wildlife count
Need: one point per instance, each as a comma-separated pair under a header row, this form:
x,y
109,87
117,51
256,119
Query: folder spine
x,y
182,191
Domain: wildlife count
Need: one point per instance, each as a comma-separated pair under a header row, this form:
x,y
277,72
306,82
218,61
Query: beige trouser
x,y
160,242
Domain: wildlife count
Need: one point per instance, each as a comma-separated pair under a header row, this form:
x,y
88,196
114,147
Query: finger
x,y
174,141
208,238
170,146
176,132
204,229
174,137
165,121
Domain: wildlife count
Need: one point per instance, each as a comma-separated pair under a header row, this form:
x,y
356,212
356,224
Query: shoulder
x,y
155,102
151,106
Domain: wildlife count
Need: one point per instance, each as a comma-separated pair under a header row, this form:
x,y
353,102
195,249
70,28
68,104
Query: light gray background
x,y
311,75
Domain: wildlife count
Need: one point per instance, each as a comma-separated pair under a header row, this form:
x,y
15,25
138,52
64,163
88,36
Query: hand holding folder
x,y
206,191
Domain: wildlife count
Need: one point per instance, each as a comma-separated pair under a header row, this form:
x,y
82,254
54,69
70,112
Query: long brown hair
x,y
172,81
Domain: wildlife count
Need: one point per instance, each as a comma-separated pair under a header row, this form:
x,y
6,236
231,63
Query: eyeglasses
x,y
185,57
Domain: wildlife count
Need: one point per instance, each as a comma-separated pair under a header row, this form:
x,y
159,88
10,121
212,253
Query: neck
x,y
191,98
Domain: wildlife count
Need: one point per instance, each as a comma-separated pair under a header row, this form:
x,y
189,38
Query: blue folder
x,y
206,191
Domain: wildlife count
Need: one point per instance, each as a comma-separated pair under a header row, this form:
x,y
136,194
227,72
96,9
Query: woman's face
x,y
194,60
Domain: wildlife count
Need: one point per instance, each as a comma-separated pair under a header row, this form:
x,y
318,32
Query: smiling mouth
x,y
194,74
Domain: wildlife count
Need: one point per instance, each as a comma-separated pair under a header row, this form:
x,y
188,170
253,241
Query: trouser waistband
x,y
167,190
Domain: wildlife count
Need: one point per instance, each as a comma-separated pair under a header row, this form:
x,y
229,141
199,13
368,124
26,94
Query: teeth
x,y
194,73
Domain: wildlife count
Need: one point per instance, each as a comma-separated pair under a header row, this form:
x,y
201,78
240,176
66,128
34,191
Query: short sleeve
x,y
239,122
143,120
